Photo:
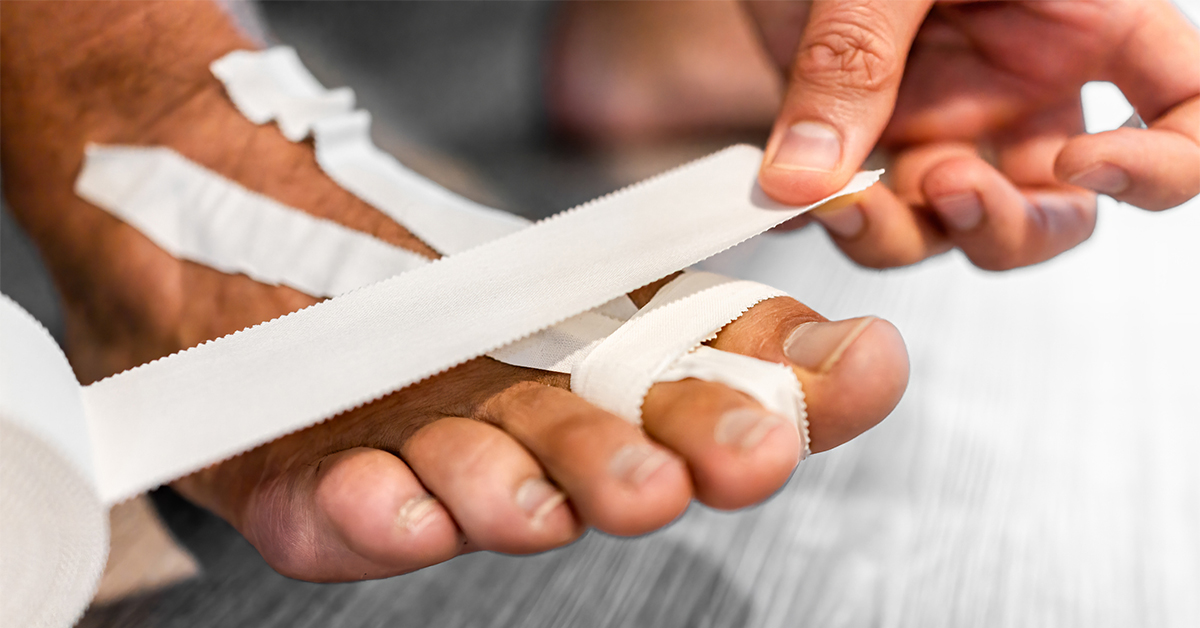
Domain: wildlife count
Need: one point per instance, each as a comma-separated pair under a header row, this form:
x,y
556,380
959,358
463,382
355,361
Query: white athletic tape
x,y
273,85
173,416
446,221
618,373
301,368
198,215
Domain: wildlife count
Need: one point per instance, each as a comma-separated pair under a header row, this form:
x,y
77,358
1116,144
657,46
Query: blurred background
x,y
1041,469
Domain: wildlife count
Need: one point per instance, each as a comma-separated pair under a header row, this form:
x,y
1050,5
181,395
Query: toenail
x,y
537,498
818,346
636,463
416,512
745,427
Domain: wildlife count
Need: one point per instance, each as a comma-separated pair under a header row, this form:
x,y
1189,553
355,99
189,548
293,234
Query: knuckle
x,y
851,49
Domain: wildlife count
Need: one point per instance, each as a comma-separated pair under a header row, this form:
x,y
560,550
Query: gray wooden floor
x,y
1042,470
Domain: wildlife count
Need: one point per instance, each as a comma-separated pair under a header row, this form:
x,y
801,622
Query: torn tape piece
x,y
618,373
162,420
199,215
274,85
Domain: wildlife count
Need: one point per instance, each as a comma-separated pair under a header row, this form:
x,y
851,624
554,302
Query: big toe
x,y
853,371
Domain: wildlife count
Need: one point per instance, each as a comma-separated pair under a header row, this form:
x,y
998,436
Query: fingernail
x,y
844,222
1104,178
537,498
636,463
415,513
809,146
961,212
818,346
745,427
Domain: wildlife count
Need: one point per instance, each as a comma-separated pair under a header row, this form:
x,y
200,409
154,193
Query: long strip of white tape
x,y
618,373
243,390
198,215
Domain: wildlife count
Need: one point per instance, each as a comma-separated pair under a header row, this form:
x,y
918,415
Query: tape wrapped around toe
x,y
662,342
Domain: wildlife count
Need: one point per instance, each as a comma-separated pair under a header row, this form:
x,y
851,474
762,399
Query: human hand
x,y
978,106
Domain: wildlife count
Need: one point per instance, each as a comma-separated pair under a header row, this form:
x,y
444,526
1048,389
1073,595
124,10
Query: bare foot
x,y
485,456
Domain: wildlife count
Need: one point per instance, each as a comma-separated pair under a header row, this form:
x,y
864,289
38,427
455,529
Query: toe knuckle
x,y
851,50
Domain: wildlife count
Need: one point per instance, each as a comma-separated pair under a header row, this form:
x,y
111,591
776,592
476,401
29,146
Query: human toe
x,y
616,478
495,490
738,452
853,372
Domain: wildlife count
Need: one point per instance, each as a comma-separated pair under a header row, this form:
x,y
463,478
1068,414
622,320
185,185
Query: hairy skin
x,y
449,465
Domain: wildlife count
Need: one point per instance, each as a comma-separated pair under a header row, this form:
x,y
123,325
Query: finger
x,y
353,515
879,230
616,478
853,372
1157,64
494,489
841,94
1155,168
738,452
1026,151
995,224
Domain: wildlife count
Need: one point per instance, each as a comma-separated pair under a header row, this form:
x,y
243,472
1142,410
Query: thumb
x,y
842,91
